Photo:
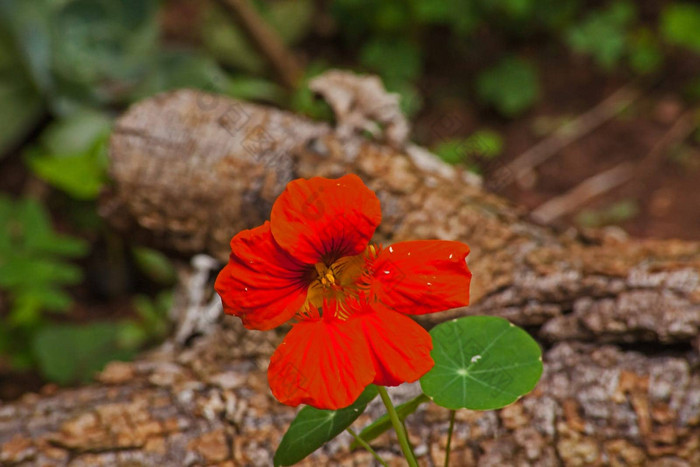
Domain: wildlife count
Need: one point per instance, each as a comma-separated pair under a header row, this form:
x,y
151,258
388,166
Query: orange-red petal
x,y
261,283
423,276
320,218
400,347
324,363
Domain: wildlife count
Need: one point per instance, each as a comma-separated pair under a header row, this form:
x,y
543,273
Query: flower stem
x,y
398,427
449,437
366,445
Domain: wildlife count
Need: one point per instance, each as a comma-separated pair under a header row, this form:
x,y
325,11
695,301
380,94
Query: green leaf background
x,y
74,353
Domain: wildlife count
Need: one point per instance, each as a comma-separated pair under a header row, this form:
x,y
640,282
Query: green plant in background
x,y
523,18
229,45
98,53
482,145
612,34
512,86
78,61
680,24
393,38
603,33
35,270
33,273
399,63
73,353
83,52
72,154
151,324
20,104
152,321
76,56
303,99
82,58
67,55
644,53
613,214
386,36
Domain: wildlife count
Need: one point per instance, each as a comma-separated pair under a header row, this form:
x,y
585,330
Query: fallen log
x,y
618,318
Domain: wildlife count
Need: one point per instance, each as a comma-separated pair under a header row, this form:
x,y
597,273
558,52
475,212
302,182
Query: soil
x,y
664,205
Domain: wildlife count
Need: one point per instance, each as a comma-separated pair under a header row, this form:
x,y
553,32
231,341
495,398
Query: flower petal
x,y
261,283
400,347
423,276
320,219
324,363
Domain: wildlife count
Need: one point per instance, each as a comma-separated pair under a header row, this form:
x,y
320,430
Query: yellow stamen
x,y
329,277
337,282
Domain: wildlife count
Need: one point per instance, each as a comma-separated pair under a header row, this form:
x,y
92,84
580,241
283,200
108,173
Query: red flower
x,y
313,261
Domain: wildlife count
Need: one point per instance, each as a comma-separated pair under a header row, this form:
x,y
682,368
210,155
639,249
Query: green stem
x,y
398,427
449,437
366,445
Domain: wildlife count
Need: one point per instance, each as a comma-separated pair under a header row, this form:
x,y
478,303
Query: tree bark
x,y
618,318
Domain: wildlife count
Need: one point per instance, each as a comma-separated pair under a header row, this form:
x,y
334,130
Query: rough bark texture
x,y
618,318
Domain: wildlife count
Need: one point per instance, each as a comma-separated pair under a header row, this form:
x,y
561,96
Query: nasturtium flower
x,y
313,263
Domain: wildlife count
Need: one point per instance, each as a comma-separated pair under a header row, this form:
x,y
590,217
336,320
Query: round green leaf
x,y
312,428
481,363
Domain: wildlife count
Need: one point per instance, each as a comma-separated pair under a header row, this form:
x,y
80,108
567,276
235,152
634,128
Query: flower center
x,y
335,283
326,275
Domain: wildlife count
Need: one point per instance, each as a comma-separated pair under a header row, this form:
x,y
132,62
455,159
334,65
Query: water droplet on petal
x,y
391,249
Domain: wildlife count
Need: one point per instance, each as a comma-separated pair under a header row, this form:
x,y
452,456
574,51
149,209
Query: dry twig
x,y
582,193
265,40
605,181
567,134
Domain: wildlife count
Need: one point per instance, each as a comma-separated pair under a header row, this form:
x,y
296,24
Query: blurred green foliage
x,y
479,147
72,153
612,214
68,67
393,39
511,86
34,269
63,56
155,265
151,324
603,33
680,25
229,45
20,104
73,353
